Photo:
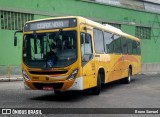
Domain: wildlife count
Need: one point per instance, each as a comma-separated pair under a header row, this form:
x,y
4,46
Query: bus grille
x,y
54,85
47,72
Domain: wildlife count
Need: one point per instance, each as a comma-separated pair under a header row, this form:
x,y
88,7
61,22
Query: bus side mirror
x,y
15,40
15,37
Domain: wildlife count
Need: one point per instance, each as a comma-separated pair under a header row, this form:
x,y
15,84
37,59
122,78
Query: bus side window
x,y
129,44
124,45
134,46
86,47
117,44
98,41
108,42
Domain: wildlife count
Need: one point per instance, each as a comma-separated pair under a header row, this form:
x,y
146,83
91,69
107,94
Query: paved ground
x,y
143,92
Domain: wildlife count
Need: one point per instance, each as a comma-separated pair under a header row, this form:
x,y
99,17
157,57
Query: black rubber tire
x,y
96,90
127,80
57,91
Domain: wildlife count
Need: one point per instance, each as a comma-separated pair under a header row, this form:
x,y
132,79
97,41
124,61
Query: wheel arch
x,y
130,67
101,71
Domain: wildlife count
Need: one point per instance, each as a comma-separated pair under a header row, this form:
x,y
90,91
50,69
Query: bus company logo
x,y
6,111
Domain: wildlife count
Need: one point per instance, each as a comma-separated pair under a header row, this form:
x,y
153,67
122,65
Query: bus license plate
x,y
48,88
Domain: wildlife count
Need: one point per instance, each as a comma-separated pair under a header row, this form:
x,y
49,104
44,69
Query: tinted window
x,y
136,47
117,44
129,42
124,45
98,41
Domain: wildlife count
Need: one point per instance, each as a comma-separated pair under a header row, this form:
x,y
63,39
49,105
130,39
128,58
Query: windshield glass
x,y
55,49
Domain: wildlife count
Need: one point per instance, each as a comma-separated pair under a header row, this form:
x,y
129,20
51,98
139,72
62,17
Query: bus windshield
x,y
52,49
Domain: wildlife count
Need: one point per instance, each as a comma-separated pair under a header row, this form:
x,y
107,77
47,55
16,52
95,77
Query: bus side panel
x,y
104,61
139,64
125,65
108,63
119,67
89,79
136,65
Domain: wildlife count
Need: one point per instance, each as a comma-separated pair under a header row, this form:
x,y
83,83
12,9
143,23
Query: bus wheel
x,y
57,91
127,80
96,90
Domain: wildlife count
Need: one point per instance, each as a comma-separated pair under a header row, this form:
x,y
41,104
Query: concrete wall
x,y
150,68
12,70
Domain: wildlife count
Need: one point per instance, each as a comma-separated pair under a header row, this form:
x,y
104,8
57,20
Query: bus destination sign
x,y
50,24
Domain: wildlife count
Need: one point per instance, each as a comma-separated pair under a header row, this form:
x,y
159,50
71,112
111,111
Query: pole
x,y
9,72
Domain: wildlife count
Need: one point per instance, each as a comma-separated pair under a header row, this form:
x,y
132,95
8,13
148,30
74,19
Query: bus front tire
x,y
96,90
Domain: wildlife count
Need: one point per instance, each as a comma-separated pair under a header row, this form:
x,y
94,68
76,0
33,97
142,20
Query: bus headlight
x,y
72,75
25,75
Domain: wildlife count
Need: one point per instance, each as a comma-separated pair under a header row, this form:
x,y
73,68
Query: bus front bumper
x,y
74,84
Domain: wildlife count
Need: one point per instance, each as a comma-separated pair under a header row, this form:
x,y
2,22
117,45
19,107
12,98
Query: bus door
x,y
88,64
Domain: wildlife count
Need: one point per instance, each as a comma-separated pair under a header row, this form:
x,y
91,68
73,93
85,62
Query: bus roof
x,y
111,29
104,27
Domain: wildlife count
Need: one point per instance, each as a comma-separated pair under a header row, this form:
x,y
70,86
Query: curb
x,y
5,79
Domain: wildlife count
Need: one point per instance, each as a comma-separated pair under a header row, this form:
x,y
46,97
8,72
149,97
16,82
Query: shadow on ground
x,y
70,96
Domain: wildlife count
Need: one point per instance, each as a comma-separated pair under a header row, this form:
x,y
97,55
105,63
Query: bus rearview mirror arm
x,y
15,37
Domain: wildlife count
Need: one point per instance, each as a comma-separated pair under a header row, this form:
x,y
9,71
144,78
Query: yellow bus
x,y
75,53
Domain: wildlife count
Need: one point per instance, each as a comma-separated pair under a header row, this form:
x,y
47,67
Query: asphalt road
x,y
143,92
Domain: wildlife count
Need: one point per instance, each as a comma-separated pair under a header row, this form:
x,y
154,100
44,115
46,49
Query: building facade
x,y
138,18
